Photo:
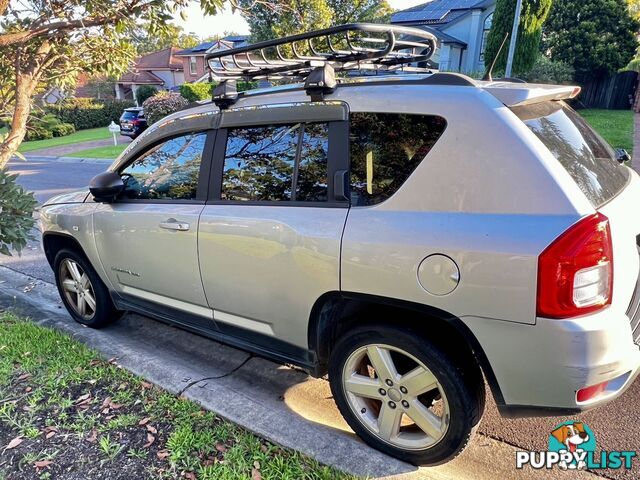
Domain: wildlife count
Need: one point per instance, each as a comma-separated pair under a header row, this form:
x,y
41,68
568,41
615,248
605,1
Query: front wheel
x,y
404,396
83,293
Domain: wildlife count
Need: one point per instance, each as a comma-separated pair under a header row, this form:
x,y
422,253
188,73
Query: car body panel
x,y
267,265
143,260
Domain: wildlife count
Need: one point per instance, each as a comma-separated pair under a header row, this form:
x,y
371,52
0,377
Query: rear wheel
x,y
404,396
82,291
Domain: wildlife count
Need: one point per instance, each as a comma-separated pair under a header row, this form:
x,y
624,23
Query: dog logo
x,y
574,438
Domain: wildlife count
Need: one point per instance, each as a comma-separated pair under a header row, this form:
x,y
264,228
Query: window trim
x,y
203,175
193,65
337,159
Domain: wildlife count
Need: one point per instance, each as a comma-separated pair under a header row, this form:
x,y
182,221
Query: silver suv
x,y
409,235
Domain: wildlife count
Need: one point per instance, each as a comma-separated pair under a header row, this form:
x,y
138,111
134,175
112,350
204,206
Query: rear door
x,y
147,240
269,238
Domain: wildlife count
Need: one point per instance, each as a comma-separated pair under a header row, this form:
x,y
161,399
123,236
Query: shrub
x,y
16,214
203,91
37,133
144,92
163,104
196,91
85,113
549,71
62,129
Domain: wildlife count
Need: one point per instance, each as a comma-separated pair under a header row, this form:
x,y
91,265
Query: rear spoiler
x,y
517,94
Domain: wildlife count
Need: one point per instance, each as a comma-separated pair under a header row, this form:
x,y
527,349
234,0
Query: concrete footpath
x,y
279,403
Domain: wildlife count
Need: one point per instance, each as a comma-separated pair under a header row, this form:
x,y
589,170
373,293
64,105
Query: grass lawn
x,y
111,151
65,413
615,126
80,136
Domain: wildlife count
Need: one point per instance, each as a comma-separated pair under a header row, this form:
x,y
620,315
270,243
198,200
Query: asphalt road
x,y
616,426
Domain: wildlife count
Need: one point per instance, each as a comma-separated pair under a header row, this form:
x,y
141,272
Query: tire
x,y
90,288
459,391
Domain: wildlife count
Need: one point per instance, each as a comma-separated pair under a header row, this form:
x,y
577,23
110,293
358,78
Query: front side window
x,y
276,163
385,149
169,171
193,65
486,28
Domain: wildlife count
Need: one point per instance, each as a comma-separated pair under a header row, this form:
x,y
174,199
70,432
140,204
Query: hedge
x,y
203,91
85,113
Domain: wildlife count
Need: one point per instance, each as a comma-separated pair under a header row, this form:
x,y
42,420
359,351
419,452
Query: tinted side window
x,y
385,149
169,171
276,163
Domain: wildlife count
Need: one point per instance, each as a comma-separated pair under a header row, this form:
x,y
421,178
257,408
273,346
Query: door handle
x,y
174,225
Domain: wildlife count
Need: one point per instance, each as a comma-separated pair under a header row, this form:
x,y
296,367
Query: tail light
x,y
575,273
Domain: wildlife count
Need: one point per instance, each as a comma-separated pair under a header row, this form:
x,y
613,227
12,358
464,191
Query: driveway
x,y
277,402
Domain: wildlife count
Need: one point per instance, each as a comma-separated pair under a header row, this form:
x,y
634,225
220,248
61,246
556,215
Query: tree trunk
x,y
25,87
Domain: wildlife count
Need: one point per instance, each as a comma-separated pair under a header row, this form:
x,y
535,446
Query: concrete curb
x,y
278,403
45,158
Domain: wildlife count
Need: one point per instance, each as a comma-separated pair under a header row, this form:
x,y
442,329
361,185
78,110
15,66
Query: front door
x,y
147,240
269,240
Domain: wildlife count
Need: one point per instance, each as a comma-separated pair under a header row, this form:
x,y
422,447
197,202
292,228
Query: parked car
x,y
409,235
132,122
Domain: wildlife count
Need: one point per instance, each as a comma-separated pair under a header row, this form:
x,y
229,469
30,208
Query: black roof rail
x,y
351,47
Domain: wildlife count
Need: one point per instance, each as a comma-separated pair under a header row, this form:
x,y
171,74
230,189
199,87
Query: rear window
x,y
129,115
590,161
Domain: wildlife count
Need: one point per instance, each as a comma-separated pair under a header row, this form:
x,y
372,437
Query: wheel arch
x,y
53,242
334,313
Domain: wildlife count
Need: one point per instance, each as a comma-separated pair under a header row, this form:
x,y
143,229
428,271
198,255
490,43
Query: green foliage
x,y
162,104
196,91
43,127
534,13
545,70
296,16
85,113
351,11
16,214
171,35
595,37
145,91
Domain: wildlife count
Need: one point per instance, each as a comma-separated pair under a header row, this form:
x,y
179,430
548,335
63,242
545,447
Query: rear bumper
x,y
539,368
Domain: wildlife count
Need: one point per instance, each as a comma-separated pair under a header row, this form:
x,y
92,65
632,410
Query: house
x,y
462,27
195,69
162,69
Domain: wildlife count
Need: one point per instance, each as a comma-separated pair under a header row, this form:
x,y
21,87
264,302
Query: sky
x,y
204,26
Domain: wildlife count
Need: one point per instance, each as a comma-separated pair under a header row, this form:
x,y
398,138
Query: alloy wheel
x,y
396,397
78,289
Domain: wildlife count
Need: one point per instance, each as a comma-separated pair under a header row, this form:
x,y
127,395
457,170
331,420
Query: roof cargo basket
x,y
352,47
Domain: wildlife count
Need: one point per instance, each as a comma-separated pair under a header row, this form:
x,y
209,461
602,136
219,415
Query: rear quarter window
x,y
385,149
585,155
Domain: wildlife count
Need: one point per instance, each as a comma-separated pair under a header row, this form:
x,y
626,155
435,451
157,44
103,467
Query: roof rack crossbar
x,y
358,46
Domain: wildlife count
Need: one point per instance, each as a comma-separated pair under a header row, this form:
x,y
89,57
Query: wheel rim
x,y
396,397
78,289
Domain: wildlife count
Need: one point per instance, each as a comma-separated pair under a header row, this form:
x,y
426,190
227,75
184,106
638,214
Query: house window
x,y
486,27
193,66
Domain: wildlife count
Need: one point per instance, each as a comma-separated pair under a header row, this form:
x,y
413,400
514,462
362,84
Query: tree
x,y
147,40
634,8
595,37
534,13
288,17
285,17
145,91
351,11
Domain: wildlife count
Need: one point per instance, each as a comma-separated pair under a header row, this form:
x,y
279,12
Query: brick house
x,y
162,69
195,69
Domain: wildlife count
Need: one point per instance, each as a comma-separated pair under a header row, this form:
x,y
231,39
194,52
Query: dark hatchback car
x,y
133,122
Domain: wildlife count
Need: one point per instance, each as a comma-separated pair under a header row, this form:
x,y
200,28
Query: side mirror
x,y
106,186
622,155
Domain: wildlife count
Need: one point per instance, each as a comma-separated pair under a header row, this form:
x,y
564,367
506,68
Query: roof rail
x,y
351,47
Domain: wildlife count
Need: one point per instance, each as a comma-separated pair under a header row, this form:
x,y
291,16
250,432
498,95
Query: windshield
x,y
590,161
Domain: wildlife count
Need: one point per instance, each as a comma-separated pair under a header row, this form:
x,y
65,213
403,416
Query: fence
x,y
615,92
